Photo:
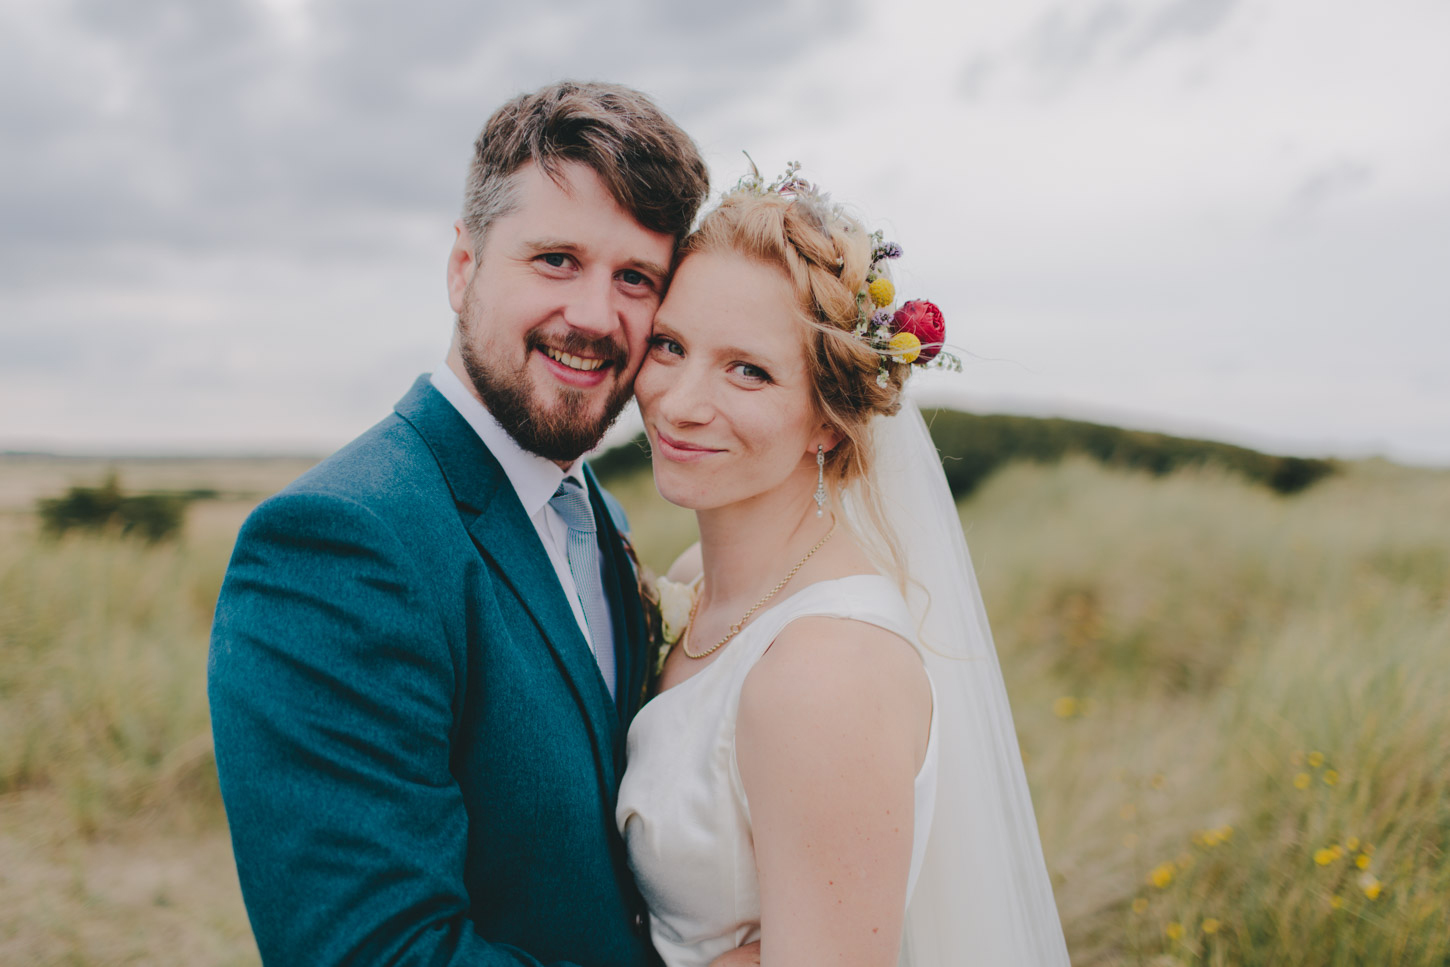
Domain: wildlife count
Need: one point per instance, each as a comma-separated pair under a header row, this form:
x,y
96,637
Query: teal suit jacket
x,y
417,753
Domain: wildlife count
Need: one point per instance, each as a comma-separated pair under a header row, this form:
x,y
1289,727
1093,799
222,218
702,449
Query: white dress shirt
x,y
534,479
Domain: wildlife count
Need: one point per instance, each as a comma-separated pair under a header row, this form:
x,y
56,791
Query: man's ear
x,y
461,265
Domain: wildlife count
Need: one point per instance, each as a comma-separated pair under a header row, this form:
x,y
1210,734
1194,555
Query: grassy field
x,y
1232,704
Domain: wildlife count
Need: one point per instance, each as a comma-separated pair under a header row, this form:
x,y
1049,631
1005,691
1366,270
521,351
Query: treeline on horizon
x,y
974,446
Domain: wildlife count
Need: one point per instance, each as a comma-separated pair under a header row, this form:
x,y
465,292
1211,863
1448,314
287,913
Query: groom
x,y
427,650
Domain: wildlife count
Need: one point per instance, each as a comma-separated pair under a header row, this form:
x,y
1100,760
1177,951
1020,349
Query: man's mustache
x,y
575,343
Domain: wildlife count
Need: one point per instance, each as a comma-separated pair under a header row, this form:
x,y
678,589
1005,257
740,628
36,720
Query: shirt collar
x,y
534,478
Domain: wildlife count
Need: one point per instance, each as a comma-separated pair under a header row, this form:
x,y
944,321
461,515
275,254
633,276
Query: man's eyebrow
x,y
650,268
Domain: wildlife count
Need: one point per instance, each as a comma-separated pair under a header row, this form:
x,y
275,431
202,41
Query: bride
x,y
829,769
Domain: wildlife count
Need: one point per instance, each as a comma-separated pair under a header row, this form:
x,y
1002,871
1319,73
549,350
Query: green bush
x,y
154,516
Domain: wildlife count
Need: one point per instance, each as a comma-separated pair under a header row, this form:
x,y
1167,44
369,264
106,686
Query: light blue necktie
x,y
572,504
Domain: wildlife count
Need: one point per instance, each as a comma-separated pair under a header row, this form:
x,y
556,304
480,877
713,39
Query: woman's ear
x,y
826,437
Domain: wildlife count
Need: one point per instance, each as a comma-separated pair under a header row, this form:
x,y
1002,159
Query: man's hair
x,y
649,166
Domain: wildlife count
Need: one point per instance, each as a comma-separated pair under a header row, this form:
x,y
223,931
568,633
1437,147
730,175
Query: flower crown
x,y
912,334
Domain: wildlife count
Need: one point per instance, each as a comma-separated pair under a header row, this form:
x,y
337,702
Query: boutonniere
x,y
676,598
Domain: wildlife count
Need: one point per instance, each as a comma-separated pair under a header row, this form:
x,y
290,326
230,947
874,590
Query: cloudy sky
x,y
223,225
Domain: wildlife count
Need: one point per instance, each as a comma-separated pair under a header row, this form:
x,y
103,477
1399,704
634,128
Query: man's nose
x,y
591,306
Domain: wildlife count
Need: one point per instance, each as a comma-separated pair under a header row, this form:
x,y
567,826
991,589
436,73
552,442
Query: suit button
x,y
639,924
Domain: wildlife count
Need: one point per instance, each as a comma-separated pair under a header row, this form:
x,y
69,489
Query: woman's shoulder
x,y
687,567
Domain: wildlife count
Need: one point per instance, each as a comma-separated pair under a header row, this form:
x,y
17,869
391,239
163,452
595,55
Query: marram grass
x,y
1232,706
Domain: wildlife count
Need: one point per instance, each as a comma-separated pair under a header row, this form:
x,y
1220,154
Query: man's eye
x,y
556,259
631,277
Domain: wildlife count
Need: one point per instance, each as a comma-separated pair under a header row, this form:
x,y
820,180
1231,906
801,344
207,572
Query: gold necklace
x,y
735,628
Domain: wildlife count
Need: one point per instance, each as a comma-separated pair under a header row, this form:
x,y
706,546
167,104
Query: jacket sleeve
x,y
332,687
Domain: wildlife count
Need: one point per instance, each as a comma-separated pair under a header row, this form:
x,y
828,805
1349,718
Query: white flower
x,y
676,599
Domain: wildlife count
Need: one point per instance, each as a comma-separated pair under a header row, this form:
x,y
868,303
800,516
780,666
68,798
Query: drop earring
x,y
820,480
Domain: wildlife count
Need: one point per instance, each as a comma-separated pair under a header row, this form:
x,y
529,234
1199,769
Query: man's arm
x,y
331,687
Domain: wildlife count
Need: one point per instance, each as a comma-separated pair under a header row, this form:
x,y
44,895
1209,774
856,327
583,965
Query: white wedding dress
x,y
682,809
979,891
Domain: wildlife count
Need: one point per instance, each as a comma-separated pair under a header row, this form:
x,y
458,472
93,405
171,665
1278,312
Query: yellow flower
x,y
1225,833
1162,875
1173,930
1362,861
1371,885
1331,777
881,291
1140,904
1301,781
905,345
1352,842
1065,707
1316,759
1211,925
1324,856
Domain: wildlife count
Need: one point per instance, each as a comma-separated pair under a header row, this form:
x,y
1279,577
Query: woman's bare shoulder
x,y
687,566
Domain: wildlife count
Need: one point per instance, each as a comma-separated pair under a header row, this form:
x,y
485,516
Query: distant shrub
x,y
621,461
154,517
974,446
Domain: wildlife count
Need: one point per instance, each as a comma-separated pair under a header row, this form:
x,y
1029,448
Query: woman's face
x,y
724,391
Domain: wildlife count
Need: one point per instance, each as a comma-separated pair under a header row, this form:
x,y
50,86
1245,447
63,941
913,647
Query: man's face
x,y
554,314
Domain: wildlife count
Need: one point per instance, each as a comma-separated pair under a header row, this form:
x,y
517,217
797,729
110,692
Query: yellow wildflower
x,y
1371,885
1140,904
1065,707
1173,931
1225,833
1331,776
1162,875
1316,759
1362,861
906,346
1324,856
1352,842
1301,781
1211,925
881,291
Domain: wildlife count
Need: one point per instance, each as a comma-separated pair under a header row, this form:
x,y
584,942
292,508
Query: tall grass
x,y
1233,707
103,644
1229,702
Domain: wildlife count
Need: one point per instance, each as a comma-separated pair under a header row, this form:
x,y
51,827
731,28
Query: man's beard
x,y
563,432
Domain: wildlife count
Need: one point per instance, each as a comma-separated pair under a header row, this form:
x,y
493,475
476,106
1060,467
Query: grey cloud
x,y
974,77
1325,186
1068,40
221,135
1062,43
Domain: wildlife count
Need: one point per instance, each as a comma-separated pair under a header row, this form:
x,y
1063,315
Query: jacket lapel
x,y
504,535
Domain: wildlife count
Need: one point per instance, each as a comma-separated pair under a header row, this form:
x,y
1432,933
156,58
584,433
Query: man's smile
x,y
582,363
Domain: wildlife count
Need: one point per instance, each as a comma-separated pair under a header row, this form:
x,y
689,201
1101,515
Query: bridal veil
x,y
983,896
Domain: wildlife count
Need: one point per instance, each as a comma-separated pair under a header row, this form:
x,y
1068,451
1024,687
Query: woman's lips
x,y
679,451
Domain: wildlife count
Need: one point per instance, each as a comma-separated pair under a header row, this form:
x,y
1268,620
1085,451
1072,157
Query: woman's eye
x,y
752,373
668,345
